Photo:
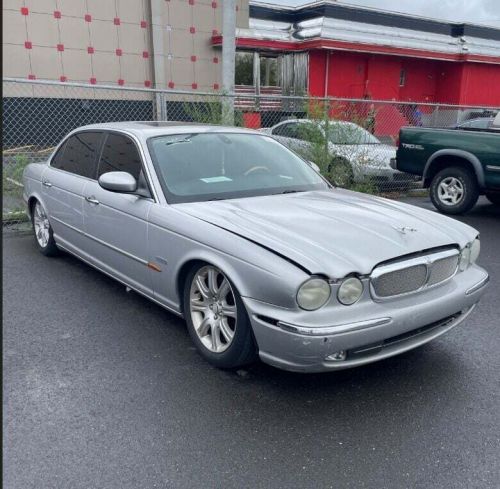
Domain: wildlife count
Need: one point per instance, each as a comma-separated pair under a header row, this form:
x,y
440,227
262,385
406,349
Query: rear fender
x,y
457,153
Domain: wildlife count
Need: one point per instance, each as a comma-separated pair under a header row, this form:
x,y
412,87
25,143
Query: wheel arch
x,y
453,157
338,158
223,265
31,202
32,199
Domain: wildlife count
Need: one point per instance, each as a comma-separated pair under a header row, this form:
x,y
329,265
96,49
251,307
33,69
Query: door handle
x,y
92,200
46,183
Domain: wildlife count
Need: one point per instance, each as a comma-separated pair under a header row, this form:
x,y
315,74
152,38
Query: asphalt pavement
x,y
103,389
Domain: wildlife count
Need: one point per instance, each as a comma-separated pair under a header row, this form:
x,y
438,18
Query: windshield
x,y
348,133
477,124
212,166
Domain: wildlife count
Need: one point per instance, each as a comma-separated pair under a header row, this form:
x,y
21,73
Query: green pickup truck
x,y
457,165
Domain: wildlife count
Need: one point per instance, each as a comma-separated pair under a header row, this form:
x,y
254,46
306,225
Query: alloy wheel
x,y
213,309
41,225
451,191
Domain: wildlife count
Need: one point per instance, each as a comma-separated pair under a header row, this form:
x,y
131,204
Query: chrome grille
x,y
407,276
443,269
401,281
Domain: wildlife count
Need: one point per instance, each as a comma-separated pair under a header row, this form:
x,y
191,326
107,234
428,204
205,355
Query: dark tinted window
x,y
120,154
79,154
58,159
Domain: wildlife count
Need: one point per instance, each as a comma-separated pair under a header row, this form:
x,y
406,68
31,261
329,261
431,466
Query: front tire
x,y
493,198
454,190
44,236
216,318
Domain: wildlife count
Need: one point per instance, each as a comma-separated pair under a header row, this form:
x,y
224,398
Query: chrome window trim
x,y
428,260
88,179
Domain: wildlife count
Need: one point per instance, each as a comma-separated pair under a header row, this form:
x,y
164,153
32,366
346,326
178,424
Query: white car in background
x,y
364,156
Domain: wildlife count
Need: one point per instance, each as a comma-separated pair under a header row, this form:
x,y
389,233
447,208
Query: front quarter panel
x,y
177,239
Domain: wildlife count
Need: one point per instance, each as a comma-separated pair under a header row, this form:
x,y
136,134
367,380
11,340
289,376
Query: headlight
x,y
475,250
350,291
313,294
469,255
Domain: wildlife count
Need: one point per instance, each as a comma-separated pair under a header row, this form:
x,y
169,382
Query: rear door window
x,y
79,154
120,154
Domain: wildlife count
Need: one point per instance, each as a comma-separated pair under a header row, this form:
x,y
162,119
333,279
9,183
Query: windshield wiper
x,y
178,141
289,192
170,143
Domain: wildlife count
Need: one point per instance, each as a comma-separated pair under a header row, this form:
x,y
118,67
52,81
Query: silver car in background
x,y
365,157
229,229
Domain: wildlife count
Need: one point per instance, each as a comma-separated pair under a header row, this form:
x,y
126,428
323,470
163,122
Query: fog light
x,y
338,356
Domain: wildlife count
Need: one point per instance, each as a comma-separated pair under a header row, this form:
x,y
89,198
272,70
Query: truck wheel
x,y
454,190
493,198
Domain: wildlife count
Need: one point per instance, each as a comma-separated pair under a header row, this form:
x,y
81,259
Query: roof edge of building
x,y
328,9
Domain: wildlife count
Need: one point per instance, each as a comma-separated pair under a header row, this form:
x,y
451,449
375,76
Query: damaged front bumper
x,y
376,330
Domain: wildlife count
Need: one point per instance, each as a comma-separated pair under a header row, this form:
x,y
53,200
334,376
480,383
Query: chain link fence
x,y
352,141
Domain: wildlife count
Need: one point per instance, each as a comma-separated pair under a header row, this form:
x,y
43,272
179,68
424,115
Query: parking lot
x,y
104,389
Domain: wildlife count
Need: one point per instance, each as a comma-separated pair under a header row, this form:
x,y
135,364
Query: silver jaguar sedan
x,y
262,257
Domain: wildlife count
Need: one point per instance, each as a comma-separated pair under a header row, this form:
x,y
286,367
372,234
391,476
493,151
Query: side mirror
x,y
314,166
118,181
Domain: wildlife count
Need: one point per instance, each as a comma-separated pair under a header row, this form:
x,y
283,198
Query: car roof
x,y
318,121
478,119
159,128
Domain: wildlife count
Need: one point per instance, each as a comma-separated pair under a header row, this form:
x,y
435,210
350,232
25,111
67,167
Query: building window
x,y
269,71
244,69
255,67
287,72
402,78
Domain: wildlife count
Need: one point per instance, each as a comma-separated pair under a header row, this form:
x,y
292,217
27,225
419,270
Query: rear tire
x,y
44,236
216,318
493,198
454,190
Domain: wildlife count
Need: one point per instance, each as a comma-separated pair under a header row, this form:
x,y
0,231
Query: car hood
x,y
372,154
335,232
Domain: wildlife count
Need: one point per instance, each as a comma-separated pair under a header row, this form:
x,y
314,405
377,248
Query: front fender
x,y
176,239
250,280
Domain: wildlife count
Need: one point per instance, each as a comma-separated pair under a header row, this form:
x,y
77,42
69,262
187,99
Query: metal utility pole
x,y
159,69
228,59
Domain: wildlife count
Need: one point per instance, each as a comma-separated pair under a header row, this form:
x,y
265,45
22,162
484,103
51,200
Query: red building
x,y
329,49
